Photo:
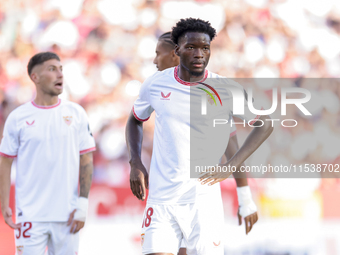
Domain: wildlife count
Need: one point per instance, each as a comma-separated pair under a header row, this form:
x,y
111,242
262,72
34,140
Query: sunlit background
x,y
107,49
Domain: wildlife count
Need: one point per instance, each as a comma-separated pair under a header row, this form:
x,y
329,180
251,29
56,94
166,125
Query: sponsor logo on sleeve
x,y
88,127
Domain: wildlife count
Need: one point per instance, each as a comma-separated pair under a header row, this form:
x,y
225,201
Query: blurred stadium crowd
x,y
107,49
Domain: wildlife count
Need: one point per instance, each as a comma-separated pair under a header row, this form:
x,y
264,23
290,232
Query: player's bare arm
x,y
138,176
253,141
241,181
78,216
5,185
85,174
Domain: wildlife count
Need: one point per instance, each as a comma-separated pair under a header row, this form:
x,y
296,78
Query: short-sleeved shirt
x,y
47,142
169,96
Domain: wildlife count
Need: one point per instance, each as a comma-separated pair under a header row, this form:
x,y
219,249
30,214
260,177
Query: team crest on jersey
x,y
68,120
20,250
142,239
165,97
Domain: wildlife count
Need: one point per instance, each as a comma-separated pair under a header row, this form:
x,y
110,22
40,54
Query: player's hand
x,y
76,224
249,220
7,213
214,175
139,180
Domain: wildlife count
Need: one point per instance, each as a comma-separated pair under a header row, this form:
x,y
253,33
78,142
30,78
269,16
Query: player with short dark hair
x,y
40,58
166,58
193,25
53,144
178,206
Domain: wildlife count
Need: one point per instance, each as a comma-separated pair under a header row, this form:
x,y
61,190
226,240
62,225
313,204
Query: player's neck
x,y
46,100
185,75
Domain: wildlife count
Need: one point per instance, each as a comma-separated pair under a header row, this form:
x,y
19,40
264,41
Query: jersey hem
x,y
7,156
87,150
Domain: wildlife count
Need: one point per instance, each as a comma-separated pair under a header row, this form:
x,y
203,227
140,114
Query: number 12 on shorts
x,y
147,220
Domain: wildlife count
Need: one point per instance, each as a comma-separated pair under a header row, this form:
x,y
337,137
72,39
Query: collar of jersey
x,y
188,83
47,106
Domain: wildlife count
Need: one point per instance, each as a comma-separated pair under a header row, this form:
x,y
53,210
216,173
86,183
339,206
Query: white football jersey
x,y
169,96
47,142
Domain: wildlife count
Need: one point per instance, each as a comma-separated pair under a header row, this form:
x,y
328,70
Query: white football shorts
x,y
199,224
34,237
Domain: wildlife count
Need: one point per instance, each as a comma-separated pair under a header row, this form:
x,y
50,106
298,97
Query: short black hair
x,y
192,25
40,58
166,37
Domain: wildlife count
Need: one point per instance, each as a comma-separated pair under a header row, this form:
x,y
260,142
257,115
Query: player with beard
x,y
178,207
167,58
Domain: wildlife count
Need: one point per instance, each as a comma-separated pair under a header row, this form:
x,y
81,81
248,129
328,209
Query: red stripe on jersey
x,y
188,83
7,156
87,150
233,133
134,114
48,106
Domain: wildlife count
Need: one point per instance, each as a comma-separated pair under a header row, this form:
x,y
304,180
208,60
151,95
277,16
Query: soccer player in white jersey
x,y
52,143
176,207
167,58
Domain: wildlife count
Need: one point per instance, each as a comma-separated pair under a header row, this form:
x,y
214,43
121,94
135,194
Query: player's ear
x,y
34,77
173,53
177,50
174,56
